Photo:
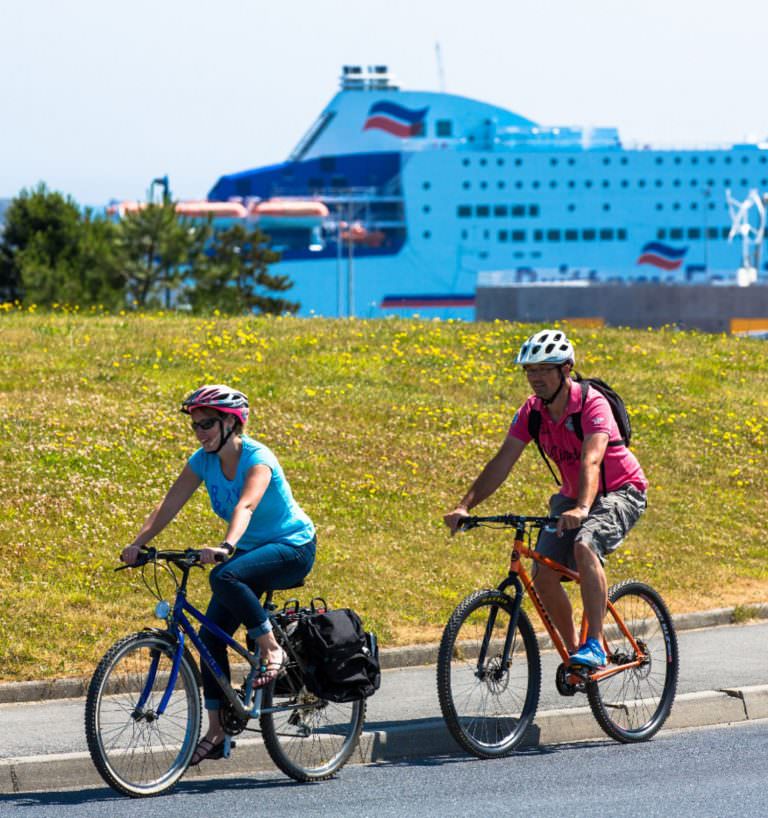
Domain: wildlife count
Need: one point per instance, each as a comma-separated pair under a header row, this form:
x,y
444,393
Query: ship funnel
x,y
367,78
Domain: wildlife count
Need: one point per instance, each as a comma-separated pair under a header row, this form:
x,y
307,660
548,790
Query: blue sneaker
x,y
590,654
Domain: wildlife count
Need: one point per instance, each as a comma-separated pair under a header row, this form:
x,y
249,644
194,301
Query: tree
x,y
160,250
50,252
235,277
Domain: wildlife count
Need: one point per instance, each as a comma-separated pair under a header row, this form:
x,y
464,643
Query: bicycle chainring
x,y
232,723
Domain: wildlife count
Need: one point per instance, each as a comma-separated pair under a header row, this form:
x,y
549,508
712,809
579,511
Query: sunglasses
x,y
205,424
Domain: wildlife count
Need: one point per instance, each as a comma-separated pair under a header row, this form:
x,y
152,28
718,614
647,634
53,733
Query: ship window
x,y
571,235
518,185
694,182
501,185
606,234
518,235
661,233
538,235
426,208
710,182
694,233
589,234
711,160
659,160
677,160
744,160
482,211
571,161
641,182
518,162
464,211
427,234
483,162
711,205
327,163
536,185
588,183
744,182
500,163
503,235
764,182
553,235
339,181
694,205
624,183
659,206
712,232
518,210
726,182
571,208
606,207
466,185
500,210
465,162
444,127
694,160
762,160
533,210
486,234
606,183
571,183
483,185
553,162
314,183
426,186
676,233
659,183
726,232
624,160
606,161
553,184
418,129
728,160
621,234
676,183
676,206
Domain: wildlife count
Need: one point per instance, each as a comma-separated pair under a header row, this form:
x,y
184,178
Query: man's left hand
x,y
573,518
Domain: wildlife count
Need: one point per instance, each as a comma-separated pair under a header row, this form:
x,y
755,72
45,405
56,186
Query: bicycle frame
x,y
522,581
179,626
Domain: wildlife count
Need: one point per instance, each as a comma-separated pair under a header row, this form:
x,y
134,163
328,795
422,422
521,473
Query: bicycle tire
x,y
138,753
632,706
488,710
313,742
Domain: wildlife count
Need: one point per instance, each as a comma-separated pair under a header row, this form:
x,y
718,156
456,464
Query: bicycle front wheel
x,y
488,702
138,751
311,739
633,705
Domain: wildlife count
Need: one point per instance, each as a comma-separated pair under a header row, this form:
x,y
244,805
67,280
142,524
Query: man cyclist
x,y
593,518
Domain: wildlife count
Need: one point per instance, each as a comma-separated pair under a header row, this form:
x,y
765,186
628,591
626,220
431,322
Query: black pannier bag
x,y
342,659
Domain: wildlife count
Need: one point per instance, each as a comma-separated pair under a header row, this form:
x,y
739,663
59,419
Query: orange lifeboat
x,y
192,209
357,234
288,213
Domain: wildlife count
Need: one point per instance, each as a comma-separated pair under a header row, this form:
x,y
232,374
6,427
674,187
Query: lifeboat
x,y
357,234
277,213
192,209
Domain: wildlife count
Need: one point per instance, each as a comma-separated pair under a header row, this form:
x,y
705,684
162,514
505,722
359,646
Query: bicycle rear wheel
x,y
633,705
315,738
489,705
137,751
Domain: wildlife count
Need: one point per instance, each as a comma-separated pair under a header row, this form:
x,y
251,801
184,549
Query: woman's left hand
x,y
210,555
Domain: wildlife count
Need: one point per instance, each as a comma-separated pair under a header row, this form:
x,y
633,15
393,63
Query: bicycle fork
x,y
504,660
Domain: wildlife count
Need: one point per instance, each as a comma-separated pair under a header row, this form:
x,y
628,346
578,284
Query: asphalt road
x,y
702,773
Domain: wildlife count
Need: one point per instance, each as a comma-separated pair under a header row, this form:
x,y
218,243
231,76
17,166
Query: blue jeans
x,y
237,585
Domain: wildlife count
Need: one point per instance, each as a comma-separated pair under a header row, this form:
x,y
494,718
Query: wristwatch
x,y
228,547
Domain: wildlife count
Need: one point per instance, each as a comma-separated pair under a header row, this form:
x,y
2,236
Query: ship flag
x,y
662,255
395,119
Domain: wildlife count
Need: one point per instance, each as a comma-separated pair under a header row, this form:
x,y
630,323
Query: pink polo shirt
x,y
563,446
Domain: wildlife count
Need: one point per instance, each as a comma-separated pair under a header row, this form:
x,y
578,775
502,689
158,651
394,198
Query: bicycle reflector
x,y
162,609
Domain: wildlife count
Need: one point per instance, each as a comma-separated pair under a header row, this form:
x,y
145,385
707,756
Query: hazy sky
x,y
99,97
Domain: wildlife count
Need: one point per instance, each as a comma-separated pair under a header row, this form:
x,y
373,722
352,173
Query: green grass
x,y
380,426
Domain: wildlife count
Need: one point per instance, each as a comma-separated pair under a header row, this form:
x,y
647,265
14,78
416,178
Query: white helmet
x,y
548,346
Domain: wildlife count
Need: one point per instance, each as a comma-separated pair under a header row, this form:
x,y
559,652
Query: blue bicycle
x,y
143,710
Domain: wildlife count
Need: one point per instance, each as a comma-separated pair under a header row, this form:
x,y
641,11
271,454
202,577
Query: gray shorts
x,y
608,522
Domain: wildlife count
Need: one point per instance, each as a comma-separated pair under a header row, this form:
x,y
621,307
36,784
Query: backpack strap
x,y
534,427
576,418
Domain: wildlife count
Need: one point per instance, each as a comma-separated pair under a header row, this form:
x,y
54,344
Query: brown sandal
x,y
206,750
269,671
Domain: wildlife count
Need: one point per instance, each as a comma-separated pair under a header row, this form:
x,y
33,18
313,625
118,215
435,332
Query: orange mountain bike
x,y
489,666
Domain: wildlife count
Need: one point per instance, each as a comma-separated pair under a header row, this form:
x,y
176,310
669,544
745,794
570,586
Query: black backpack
x,y
620,415
342,659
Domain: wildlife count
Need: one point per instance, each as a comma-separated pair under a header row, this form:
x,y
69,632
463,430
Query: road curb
x,y
408,656
387,742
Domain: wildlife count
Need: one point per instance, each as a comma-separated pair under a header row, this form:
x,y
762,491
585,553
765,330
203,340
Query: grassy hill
x,y
380,426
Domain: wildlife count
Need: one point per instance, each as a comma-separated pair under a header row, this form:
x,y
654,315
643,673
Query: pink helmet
x,y
219,397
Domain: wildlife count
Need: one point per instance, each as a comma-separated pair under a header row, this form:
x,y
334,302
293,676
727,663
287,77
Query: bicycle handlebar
x,y
506,520
186,558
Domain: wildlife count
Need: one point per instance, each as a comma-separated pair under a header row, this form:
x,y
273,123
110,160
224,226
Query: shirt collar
x,y
573,405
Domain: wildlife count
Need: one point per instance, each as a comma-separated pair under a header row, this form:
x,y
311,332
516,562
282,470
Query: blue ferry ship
x,y
400,201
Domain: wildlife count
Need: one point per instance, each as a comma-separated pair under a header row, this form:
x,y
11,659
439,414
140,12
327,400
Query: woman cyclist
x,y
269,542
